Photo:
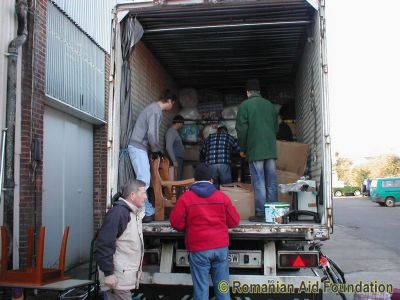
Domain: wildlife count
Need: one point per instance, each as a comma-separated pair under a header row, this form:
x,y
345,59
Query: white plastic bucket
x,y
275,210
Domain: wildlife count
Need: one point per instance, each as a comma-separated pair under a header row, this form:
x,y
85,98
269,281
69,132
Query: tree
x,y
384,166
377,167
359,174
343,168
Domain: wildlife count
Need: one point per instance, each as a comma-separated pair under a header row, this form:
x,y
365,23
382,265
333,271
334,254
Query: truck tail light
x,y
298,259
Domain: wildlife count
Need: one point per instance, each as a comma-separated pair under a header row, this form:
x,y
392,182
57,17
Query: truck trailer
x,y
218,45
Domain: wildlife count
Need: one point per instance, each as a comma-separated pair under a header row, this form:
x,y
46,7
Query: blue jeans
x,y
221,173
141,166
180,168
263,178
214,261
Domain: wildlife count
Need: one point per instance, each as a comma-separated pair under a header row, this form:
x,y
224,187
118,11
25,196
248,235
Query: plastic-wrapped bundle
x,y
208,107
206,95
230,125
190,133
280,93
188,98
233,99
211,115
209,129
230,112
190,113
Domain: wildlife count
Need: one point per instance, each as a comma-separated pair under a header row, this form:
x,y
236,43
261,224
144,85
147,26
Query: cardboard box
x,y
284,178
192,152
242,198
292,157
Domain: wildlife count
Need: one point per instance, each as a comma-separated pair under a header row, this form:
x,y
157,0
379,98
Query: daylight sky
x,y
364,77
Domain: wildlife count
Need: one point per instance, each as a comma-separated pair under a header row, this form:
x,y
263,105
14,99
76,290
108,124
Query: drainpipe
x,y
21,8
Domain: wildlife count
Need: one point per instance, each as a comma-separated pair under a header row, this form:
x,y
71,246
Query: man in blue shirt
x,y
216,152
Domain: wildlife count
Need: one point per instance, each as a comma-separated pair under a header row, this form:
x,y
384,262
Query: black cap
x,y
252,85
202,173
178,119
222,129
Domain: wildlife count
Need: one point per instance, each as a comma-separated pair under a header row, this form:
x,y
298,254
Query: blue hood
x,y
203,188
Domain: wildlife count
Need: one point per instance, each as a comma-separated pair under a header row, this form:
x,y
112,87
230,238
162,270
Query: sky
x,y
364,77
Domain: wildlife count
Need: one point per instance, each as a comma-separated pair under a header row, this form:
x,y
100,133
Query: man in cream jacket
x,y
119,245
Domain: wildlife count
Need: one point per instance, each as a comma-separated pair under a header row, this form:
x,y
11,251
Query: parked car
x,y
385,191
346,190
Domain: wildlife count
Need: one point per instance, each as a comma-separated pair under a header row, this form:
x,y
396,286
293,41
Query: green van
x,y
385,191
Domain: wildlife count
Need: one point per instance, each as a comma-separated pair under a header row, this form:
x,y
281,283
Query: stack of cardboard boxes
x,y
291,164
241,195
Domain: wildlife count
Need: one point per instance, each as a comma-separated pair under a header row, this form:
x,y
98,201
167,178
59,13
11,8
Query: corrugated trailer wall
x,y
148,80
93,16
309,100
75,65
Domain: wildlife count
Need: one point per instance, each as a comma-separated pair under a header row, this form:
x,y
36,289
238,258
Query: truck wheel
x,y
338,194
357,193
389,201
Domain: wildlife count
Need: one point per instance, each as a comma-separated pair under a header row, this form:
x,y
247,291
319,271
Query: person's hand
x,y
175,164
242,154
111,281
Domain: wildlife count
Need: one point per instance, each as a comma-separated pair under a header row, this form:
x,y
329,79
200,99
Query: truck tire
x,y
389,202
357,193
338,194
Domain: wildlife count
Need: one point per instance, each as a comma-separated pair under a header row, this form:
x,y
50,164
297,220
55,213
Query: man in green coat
x,y
257,126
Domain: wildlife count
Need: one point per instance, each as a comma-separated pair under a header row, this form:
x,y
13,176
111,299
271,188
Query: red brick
x,y
32,111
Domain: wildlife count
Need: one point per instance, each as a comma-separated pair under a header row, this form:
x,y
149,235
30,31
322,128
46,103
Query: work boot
x,y
259,219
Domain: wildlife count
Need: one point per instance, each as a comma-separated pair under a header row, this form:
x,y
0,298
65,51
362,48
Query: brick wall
x,y
32,112
100,160
149,79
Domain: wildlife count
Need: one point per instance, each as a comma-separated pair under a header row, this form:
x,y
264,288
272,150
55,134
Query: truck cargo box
x,y
213,47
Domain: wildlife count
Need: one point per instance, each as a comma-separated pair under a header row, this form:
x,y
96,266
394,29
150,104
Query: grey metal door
x,y
67,186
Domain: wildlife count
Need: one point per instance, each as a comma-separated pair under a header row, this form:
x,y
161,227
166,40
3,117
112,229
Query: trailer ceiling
x,y
221,45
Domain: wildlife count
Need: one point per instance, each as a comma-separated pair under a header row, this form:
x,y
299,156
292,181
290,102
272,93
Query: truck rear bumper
x,y
248,231
176,292
236,281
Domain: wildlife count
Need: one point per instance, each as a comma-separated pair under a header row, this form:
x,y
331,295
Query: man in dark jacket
x,y
205,214
119,244
284,132
257,126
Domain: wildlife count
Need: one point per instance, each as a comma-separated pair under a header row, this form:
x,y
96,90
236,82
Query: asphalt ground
x,y
366,241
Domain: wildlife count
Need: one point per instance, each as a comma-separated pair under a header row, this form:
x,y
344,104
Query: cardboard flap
x,y
292,157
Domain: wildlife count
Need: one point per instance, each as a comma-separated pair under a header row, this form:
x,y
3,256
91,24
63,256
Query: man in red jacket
x,y
205,214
